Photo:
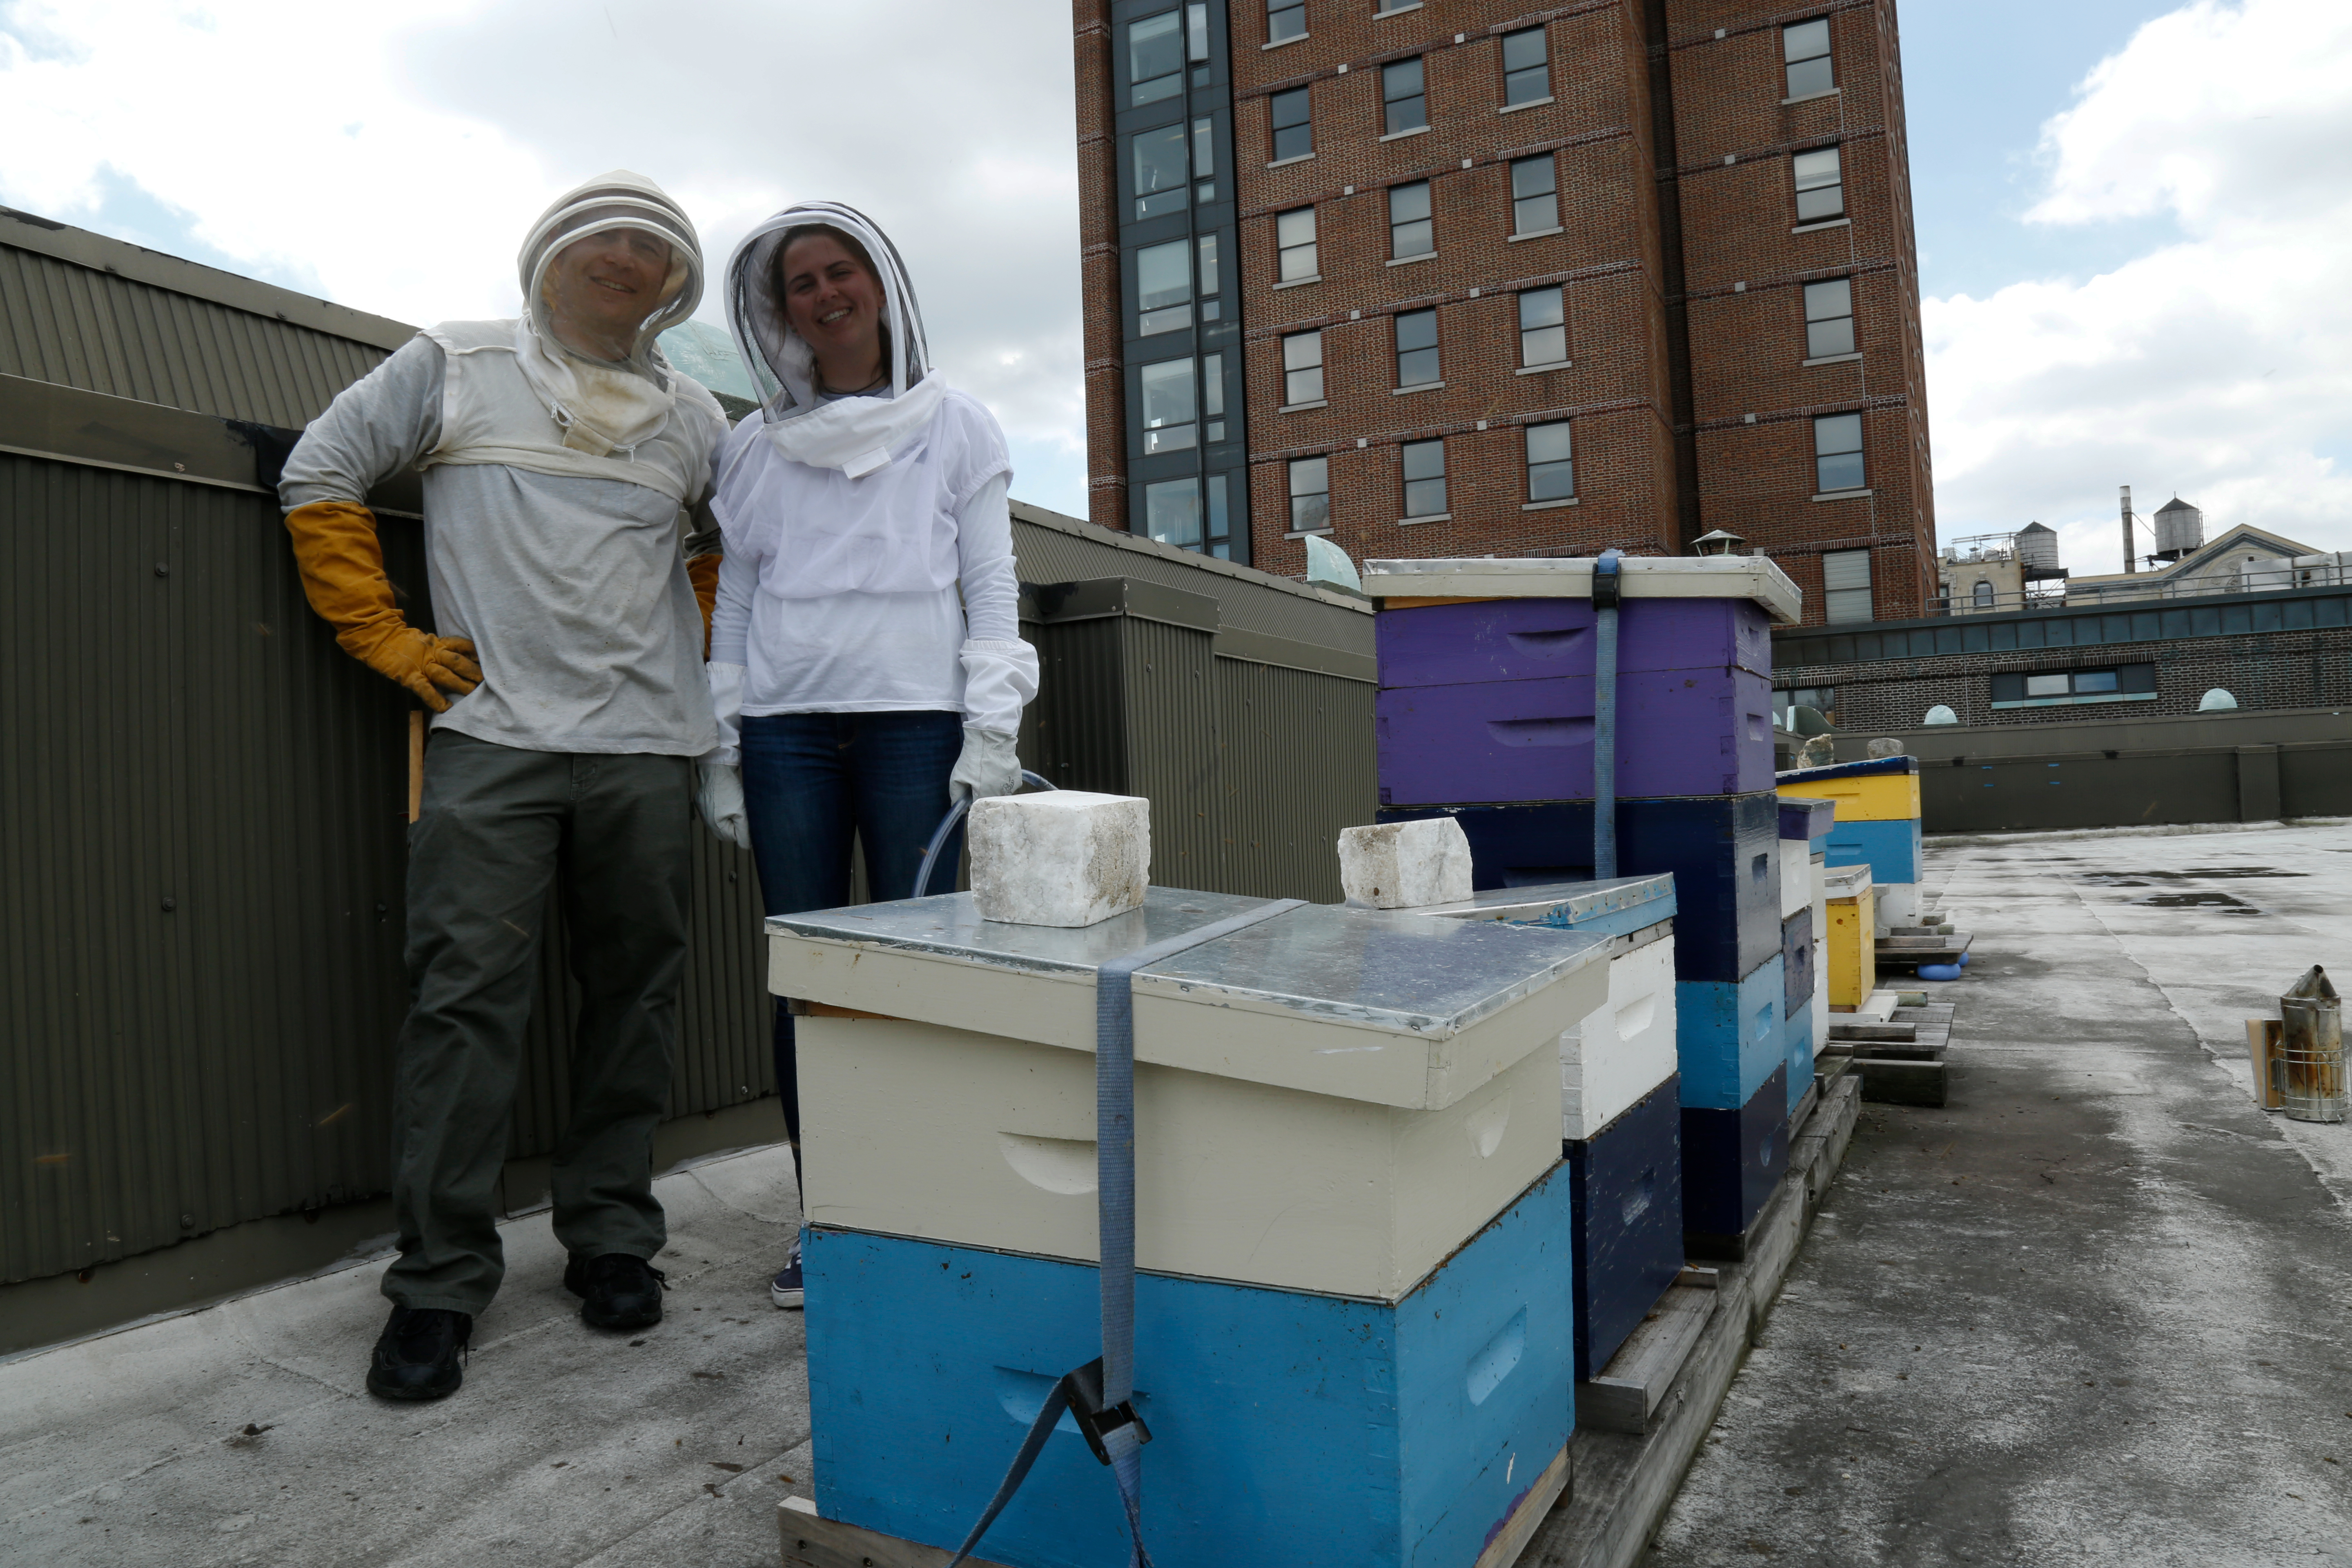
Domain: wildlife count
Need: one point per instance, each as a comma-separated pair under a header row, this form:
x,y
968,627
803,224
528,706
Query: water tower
x,y
2037,549
2179,530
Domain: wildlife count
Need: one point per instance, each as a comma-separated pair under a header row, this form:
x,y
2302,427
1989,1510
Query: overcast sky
x,y
2134,218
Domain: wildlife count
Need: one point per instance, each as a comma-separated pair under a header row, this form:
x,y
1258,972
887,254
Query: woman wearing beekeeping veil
x,y
866,659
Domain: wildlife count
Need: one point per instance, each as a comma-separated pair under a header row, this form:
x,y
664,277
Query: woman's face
x,y
834,302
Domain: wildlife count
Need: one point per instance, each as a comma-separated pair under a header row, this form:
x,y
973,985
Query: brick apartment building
x,y
1459,276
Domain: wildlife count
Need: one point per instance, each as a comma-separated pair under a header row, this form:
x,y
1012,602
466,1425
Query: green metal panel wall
x,y
201,860
1251,769
77,326
1298,767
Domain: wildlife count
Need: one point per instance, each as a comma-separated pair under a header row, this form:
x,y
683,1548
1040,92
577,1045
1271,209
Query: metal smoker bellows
x,y
2311,1049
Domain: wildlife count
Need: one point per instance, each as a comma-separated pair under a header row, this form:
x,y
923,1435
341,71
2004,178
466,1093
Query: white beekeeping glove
x,y
988,766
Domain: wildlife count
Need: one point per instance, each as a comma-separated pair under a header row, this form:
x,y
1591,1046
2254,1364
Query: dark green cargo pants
x,y
497,828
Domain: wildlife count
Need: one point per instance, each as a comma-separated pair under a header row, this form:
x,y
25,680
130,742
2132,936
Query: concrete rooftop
x,y
2092,1311
2098,1308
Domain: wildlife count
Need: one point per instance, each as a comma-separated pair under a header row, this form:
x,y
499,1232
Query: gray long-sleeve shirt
x,y
572,590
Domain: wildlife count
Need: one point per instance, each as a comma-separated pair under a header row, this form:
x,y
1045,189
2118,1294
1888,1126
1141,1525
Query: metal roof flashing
x,y
1642,576
45,237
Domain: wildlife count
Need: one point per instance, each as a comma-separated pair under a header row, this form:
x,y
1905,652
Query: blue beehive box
x,y
1627,1197
1732,1161
1288,1427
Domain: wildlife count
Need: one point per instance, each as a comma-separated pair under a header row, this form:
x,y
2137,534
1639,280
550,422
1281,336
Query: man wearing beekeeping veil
x,y
561,453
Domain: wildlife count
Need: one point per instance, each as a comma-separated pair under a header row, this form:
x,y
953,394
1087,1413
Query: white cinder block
x,y
1623,1050
948,1135
1401,865
1796,875
1061,858
1898,904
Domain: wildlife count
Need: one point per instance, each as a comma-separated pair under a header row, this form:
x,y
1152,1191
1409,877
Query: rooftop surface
x,y
2094,1311
2097,1308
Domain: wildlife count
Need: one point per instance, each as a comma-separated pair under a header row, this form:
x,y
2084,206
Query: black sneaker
x,y
617,1290
785,1290
420,1354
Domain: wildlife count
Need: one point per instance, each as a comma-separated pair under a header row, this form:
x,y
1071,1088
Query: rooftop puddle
x,y
2199,900
2204,873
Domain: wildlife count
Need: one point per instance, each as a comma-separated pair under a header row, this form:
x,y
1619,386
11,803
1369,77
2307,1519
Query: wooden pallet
x,y
811,1540
1908,951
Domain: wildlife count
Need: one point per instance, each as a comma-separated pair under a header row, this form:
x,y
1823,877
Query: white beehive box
x,y
1331,1100
1623,1051
1796,876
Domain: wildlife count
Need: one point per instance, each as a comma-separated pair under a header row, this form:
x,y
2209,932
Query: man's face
x,y
607,284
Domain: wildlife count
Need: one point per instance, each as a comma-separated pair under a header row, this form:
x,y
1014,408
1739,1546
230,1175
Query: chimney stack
x,y
2129,564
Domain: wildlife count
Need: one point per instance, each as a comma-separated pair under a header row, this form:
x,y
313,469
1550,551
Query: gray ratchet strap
x,y
1100,1395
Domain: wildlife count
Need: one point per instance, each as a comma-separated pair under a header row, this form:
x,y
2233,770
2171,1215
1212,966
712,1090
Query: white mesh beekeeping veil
x,y
779,360
602,408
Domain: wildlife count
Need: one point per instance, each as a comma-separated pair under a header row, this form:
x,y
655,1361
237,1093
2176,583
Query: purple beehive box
x,y
1534,639
1688,731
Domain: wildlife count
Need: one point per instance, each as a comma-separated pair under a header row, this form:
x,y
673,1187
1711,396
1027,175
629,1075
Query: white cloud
x,y
2218,364
391,158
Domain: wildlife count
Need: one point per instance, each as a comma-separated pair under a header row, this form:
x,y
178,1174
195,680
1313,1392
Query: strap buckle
x,y
1095,1420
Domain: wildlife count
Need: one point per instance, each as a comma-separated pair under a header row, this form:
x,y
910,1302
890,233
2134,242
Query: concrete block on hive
x,y
1063,859
1400,865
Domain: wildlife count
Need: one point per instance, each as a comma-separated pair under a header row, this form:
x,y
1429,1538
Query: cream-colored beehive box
x,y
1333,1100
1796,876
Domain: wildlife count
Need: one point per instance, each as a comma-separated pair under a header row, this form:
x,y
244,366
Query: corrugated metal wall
x,y
200,865
1251,769
76,326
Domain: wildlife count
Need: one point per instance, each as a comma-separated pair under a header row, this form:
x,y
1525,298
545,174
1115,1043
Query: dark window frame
x,y
1515,78
1428,372
1410,107
1299,131
1419,503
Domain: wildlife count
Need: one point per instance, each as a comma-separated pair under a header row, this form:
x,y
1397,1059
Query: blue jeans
x,y
812,783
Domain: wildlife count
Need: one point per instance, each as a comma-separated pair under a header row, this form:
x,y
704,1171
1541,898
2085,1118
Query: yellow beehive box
x,y
1872,797
1852,937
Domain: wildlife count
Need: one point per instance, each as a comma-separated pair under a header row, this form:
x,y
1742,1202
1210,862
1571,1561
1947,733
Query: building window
x,y
1310,495
1822,700
1221,527
1837,453
2067,687
1805,45
1293,130
1403,106
1160,170
1535,195
1294,245
1846,585
1424,479
1163,289
1409,229
1204,160
1168,417
1416,348
1210,309
1212,395
1820,189
1171,512
1196,38
1551,462
1155,58
1285,19
1526,68
1543,327
1984,594
1302,368
1829,318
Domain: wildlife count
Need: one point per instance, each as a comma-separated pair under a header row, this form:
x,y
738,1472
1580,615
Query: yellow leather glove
x,y
703,573
342,564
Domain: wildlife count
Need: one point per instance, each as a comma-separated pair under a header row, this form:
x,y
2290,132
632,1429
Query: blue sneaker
x,y
784,1289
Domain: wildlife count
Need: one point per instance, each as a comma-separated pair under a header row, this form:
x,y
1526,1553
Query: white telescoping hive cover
x,y
1641,577
1392,1008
